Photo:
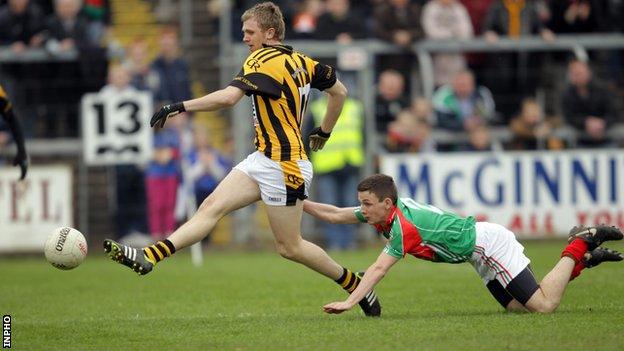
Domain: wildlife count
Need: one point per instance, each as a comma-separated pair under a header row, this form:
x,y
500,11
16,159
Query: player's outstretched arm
x,y
373,275
330,213
226,97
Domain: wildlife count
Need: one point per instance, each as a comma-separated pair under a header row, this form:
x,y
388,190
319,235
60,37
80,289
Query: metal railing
x,y
577,44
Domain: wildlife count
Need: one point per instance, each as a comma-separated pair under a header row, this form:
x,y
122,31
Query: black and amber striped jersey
x,y
279,80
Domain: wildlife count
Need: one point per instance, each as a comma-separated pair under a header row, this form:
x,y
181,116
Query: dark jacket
x,y
14,28
328,27
598,103
78,31
558,23
174,80
497,19
388,20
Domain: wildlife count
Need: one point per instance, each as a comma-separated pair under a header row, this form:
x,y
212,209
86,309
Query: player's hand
x,y
336,307
21,160
159,118
318,138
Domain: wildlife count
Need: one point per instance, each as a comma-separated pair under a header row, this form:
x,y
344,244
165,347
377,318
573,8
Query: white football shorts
x,y
497,255
281,182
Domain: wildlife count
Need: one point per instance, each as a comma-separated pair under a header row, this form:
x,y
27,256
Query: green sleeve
x,y
394,247
359,215
390,250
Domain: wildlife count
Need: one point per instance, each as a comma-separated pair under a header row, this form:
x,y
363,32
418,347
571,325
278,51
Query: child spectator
x,y
208,165
530,130
161,181
409,133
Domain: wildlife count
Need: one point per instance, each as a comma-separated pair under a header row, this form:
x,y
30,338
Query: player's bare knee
x,y
544,307
515,306
210,207
288,250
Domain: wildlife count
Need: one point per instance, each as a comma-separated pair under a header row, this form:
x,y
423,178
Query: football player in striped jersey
x,y
278,79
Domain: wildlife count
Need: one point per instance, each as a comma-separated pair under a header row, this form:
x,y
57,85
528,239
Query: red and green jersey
x,y
426,232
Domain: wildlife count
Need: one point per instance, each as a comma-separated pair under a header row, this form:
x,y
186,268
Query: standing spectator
x,y
305,21
162,177
339,23
446,19
21,25
172,70
130,197
477,10
337,166
614,16
398,22
98,13
67,32
391,98
513,19
208,166
181,136
137,63
587,106
463,105
575,16
530,130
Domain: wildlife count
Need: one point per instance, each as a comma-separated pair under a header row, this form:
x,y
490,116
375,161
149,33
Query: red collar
x,y
387,225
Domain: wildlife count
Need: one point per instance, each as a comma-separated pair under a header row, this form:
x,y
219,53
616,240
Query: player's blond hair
x,y
381,185
268,16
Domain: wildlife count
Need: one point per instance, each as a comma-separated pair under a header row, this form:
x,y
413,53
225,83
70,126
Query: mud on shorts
x,y
500,261
281,182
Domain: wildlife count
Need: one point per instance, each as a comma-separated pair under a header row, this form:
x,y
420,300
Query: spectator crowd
x,y
477,96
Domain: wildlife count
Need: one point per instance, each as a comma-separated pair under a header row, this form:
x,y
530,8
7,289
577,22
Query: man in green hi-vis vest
x,y
429,233
337,167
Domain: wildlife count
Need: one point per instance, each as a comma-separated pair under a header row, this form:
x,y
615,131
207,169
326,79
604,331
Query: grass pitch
x,y
259,301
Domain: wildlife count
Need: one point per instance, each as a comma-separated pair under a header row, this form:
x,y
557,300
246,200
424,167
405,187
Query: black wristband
x,y
178,106
322,133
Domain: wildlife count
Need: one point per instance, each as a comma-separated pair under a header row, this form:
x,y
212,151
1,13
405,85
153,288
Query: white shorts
x,y
497,255
281,183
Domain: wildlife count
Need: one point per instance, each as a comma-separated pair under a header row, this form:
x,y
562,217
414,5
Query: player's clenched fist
x,y
318,138
160,117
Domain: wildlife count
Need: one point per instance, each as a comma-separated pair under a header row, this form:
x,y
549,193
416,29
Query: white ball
x,y
65,248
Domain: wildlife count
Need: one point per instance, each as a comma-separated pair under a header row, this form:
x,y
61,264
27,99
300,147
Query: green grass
x,y
259,301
